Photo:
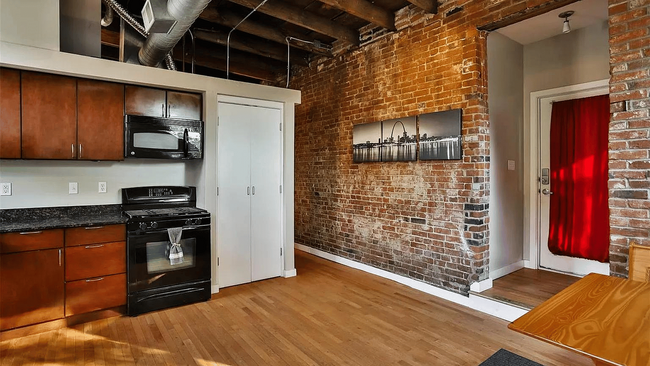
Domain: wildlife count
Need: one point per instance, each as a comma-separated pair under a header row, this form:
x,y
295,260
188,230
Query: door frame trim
x,y
531,163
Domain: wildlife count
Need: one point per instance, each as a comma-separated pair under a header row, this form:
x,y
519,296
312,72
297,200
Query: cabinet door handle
x,y
163,110
169,110
248,191
94,246
72,148
94,279
80,151
253,190
31,232
59,257
94,227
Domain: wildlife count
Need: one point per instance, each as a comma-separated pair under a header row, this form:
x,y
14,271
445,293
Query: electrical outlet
x,y
102,187
73,188
5,189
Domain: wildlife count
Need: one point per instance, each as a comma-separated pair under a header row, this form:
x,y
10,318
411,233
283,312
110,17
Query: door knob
x,y
546,192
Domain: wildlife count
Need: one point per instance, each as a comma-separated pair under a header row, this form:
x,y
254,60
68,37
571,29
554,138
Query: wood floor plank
x,y
529,287
327,315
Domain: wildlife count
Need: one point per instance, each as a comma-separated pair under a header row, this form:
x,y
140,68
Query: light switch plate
x,y
511,165
5,189
101,187
73,188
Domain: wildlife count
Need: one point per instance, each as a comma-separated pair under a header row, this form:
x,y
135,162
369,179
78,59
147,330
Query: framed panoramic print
x,y
399,140
366,142
440,135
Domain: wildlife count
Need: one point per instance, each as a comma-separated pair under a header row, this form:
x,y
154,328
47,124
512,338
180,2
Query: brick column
x,y
629,146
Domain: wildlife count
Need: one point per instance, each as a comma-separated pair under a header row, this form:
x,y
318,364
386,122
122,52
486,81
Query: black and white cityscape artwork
x,y
366,142
440,135
399,140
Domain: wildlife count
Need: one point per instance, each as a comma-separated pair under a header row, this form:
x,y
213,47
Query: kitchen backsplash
x,y
42,183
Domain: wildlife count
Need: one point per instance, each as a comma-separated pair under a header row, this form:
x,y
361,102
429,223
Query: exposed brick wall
x,y
629,143
425,220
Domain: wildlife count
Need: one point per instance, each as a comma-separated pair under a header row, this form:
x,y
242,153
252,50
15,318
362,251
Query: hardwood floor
x,y
327,315
528,287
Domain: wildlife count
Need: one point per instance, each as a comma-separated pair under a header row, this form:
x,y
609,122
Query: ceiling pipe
x,y
119,10
158,45
230,33
108,16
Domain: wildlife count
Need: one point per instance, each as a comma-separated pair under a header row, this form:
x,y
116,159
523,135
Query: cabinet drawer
x,y
95,294
94,235
31,240
95,260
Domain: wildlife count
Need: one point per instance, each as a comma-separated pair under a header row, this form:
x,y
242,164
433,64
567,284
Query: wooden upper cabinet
x,y
31,288
142,101
100,113
9,114
49,123
184,105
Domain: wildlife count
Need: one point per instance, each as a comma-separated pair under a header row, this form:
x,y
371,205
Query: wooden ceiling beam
x,y
110,38
365,10
229,19
430,6
296,15
252,45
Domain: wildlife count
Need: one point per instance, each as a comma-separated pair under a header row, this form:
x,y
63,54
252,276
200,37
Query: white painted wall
x,y
505,98
30,22
38,59
42,183
567,59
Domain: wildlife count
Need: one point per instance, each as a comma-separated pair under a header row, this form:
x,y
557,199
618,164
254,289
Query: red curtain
x,y
579,211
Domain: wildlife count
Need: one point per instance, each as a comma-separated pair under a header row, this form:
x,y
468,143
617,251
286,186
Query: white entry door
x,y
249,201
548,260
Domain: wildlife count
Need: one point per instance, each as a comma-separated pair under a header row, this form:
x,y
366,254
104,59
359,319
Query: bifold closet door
x,y
234,226
266,200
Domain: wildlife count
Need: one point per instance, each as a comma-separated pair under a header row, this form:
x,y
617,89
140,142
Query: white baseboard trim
x,y
481,286
494,308
290,273
506,270
529,264
215,289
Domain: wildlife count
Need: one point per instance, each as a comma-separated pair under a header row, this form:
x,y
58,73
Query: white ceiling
x,y
587,12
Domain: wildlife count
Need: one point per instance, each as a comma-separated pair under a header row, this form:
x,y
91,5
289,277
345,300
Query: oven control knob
x,y
196,221
154,224
188,222
143,226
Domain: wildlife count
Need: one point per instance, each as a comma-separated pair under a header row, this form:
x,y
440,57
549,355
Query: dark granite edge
x,y
43,218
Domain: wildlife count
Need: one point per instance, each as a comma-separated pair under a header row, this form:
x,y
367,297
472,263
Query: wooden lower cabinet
x,y
95,268
95,260
51,274
93,294
31,288
94,234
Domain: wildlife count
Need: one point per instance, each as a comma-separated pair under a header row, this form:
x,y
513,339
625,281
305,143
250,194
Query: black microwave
x,y
162,138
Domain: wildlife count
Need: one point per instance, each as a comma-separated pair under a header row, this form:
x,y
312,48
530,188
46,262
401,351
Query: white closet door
x,y
234,228
266,203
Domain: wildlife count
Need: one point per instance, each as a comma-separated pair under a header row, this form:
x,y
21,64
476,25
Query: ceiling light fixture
x,y
566,27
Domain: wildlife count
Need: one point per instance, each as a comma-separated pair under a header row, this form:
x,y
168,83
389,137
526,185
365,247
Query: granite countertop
x,y
42,218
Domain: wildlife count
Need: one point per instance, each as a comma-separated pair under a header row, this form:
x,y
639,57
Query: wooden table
x,y
604,318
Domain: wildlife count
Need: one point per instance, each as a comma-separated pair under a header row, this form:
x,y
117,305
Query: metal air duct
x,y
158,45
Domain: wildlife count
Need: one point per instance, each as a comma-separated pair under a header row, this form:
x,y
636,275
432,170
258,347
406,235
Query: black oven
x,y
162,138
168,248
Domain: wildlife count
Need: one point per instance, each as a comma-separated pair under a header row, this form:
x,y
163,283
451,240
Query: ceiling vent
x,y
155,17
